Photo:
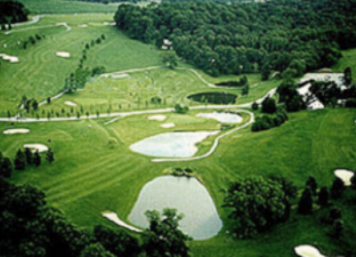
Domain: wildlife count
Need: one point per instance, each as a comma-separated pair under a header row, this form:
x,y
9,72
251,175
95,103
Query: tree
x,y
257,204
311,183
347,76
170,59
323,197
245,89
337,188
28,155
119,242
35,105
19,162
95,250
305,205
181,109
254,106
163,237
50,155
48,100
37,159
268,105
5,167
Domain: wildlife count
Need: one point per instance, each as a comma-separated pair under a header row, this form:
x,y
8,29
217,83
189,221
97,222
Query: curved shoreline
x,y
215,145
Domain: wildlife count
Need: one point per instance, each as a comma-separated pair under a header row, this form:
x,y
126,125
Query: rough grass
x,y
66,7
347,60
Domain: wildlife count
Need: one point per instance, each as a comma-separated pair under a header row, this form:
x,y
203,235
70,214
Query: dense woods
x,y
11,12
285,36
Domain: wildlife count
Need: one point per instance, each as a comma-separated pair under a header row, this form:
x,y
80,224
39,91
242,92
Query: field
x,y
94,169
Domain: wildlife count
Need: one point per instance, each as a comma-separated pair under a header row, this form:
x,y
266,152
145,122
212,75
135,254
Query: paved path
x,y
34,20
39,27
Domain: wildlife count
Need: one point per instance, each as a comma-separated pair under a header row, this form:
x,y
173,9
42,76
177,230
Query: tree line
x,y
33,229
286,36
258,203
11,12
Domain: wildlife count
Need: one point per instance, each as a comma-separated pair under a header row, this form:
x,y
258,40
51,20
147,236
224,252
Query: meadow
x,y
94,169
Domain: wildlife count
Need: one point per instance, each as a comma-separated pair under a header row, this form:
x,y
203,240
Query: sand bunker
x,y
70,103
344,175
222,117
112,216
9,58
307,251
157,117
168,125
173,144
16,131
63,54
41,148
83,26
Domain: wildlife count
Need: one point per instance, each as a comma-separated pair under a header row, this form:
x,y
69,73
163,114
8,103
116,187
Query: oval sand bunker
x,y
16,131
173,144
63,54
222,117
201,219
307,251
70,103
344,175
41,148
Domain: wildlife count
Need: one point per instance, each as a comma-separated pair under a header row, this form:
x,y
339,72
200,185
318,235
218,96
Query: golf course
x,y
139,120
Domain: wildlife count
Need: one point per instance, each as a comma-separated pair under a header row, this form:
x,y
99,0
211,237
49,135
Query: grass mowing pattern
x,y
40,73
66,7
94,170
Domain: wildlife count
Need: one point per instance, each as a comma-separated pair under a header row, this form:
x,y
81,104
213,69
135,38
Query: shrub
x,y
181,109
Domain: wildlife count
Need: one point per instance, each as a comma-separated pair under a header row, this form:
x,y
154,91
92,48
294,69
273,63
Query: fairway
x,y
95,171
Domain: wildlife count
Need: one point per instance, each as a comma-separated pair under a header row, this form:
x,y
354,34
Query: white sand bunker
x,y
37,147
157,117
307,251
173,144
83,26
63,54
9,58
16,131
112,216
222,117
168,125
344,175
70,103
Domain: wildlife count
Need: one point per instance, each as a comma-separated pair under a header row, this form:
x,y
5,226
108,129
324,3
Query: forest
x,y
11,12
291,37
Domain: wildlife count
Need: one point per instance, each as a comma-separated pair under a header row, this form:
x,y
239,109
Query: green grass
x,y
66,7
95,171
40,73
347,60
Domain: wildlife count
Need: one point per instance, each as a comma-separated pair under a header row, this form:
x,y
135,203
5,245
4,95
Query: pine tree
x,y
5,168
305,205
37,159
323,197
19,162
337,188
311,183
50,156
28,155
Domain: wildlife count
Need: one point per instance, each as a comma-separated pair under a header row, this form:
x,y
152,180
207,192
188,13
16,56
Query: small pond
x,y
214,98
222,117
172,144
187,195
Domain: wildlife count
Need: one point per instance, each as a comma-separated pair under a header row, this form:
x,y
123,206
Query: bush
x,y
181,109
267,122
254,106
269,105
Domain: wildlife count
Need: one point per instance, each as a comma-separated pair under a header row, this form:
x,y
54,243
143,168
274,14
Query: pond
x,y
224,117
187,195
214,98
172,144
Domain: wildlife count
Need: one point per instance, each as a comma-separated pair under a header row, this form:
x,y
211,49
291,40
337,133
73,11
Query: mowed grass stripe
x,y
72,191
